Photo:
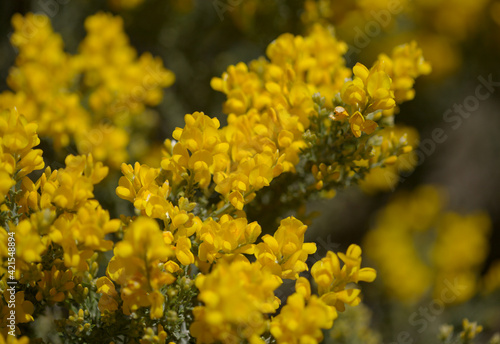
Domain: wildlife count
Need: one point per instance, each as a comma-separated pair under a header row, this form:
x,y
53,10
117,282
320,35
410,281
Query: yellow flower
x,y
360,124
236,297
71,187
24,308
117,85
302,320
172,266
29,246
138,267
333,279
6,182
150,337
29,198
54,285
339,113
83,233
404,66
285,253
108,301
199,149
303,287
226,236
18,137
470,330
237,200
353,93
138,185
136,179
157,301
183,251
41,81
13,340
143,239
270,101
370,90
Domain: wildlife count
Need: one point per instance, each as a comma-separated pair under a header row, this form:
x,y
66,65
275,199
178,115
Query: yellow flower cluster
x,y
387,83
41,80
56,224
236,297
303,317
274,105
469,332
369,91
208,174
121,82
226,236
223,235
199,149
190,262
332,280
17,156
405,64
7,339
24,309
65,211
376,92
274,98
199,156
140,185
285,253
441,26
236,294
139,267
116,85
451,247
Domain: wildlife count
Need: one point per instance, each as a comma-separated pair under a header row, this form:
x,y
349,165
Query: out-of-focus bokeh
x,y
455,113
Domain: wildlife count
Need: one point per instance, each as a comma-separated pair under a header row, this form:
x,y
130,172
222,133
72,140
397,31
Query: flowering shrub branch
x,y
190,265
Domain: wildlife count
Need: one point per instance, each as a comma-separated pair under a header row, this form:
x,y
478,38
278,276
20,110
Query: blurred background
x,y
199,39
